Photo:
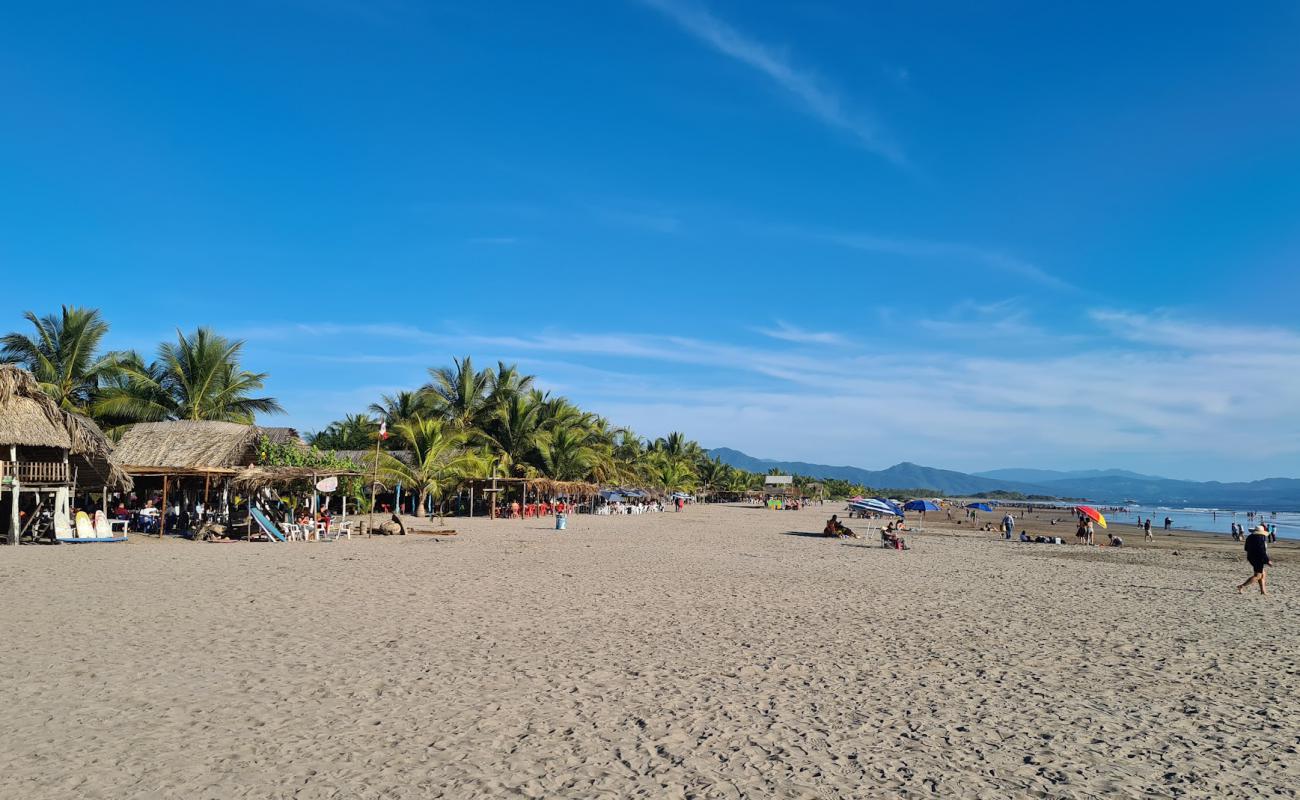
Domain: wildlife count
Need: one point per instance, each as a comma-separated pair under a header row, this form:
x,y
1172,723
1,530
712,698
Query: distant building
x,y
779,485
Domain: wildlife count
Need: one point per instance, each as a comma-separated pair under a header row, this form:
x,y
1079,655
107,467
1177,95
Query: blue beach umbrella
x,y
980,506
875,507
920,505
893,507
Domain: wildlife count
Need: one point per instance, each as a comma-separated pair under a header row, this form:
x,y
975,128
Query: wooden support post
x,y
162,512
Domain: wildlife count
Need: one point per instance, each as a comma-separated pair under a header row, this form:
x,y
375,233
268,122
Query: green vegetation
x,y
463,423
197,377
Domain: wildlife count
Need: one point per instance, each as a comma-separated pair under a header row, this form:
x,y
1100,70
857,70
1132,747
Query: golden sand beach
x,y
719,652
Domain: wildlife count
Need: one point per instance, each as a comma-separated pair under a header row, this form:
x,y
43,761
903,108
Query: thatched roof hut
x,y
187,447
30,418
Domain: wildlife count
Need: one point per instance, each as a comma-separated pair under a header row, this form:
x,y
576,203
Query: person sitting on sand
x,y
832,526
889,535
1024,537
1115,541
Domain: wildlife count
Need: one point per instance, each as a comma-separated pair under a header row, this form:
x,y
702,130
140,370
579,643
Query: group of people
x,y
891,535
1239,532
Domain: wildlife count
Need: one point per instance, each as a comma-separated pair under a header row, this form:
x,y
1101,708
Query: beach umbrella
x,y
980,506
920,505
875,507
1092,513
893,507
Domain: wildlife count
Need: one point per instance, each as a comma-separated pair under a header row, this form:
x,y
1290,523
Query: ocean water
x,y
1210,520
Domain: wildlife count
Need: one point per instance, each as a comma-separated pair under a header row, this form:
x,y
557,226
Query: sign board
x,y
327,484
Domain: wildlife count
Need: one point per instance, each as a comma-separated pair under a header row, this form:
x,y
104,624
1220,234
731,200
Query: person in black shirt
x,y
1257,555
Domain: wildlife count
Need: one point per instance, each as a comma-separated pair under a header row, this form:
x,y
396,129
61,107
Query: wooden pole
x,y
162,516
13,491
374,488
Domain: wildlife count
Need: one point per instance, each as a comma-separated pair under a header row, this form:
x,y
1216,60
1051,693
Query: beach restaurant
x,y
196,469
46,455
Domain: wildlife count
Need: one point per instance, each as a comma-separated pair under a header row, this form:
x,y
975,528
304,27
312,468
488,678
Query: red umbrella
x,y
1092,513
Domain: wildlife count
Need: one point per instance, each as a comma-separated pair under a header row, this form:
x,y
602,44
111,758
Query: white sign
x,y
327,484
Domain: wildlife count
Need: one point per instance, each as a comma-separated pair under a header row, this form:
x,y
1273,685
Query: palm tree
x,y
714,474
670,474
438,460
198,377
513,432
353,432
458,393
63,355
505,384
566,454
404,406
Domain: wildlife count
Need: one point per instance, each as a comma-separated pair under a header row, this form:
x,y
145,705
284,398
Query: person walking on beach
x,y
1146,528
1008,524
1169,523
1257,556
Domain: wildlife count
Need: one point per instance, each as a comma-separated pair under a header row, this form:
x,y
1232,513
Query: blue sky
x,y
970,236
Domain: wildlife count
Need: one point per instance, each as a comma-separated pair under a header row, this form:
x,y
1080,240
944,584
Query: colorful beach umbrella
x,y
1092,514
920,505
875,507
980,506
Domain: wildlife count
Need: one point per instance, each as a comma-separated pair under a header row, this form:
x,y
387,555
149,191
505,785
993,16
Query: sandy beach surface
x,y
720,652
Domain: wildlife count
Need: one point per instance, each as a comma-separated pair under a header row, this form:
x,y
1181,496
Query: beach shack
x,y
46,455
188,463
779,486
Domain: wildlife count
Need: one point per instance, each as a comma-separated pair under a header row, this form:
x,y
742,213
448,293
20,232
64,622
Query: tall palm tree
x,y
63,354
353,432
566,455
197,377
458,393
438,459
513,432
505,384
404,406
670,474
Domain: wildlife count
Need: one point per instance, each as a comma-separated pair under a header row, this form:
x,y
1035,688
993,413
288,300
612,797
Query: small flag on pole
x,y
383,430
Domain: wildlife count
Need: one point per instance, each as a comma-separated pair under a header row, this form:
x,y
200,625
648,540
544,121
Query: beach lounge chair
x,y
266,525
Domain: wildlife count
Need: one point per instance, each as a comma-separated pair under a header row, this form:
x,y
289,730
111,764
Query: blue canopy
x,y
612,497
980,506
920,505
875,507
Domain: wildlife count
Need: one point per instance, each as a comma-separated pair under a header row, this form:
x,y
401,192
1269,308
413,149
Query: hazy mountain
x,y
900,476
1109,486
1025,475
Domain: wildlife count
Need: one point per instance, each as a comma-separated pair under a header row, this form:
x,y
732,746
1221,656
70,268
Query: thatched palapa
x,y
193,447
29,418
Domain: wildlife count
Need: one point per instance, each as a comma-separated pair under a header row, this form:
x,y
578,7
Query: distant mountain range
x,y
1107,486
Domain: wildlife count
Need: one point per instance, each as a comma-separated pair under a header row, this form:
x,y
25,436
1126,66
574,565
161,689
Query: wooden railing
x,y
35,471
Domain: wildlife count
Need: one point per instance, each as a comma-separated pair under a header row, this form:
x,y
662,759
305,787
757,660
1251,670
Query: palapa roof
x,y
254,477
30,418
193,447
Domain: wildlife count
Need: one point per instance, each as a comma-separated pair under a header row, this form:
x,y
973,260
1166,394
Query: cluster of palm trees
x,y
464,422
467,422
196,377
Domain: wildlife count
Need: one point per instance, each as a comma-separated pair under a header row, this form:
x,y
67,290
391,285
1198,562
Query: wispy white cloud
x,y
813,95
1164,330
1155,399
919,248
789,333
